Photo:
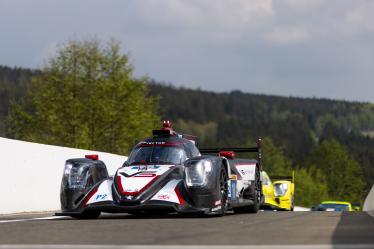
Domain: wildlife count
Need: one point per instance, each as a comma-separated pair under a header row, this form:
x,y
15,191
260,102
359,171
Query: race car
x,y
268,192
336,206
279,195
163,174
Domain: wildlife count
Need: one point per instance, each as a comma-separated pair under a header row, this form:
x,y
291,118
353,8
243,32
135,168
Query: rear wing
x,y
290,178
257,150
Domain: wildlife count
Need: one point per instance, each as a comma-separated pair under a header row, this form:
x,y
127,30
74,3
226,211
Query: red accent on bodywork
x,y
93,157
180,199
227,154
145,175
89,196
123,192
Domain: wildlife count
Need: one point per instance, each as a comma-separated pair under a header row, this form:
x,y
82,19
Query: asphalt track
x,y
282,229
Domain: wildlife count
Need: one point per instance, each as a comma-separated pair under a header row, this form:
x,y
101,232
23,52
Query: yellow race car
x,y
278,195
334,206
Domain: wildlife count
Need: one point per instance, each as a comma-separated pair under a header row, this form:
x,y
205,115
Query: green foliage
x,y
311,187
343,174
86,97
206,132
14,83
275,162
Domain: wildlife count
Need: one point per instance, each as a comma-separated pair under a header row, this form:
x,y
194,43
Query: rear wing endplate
x,y
285,178
238,150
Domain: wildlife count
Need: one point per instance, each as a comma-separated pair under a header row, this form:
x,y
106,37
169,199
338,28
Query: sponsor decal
x,y
247,172
233,190
229,189
101,197
163,197
152,143
145,167
217,203
233,177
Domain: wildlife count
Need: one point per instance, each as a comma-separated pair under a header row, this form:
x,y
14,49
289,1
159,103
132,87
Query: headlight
x,y
280,189
197,172
75,177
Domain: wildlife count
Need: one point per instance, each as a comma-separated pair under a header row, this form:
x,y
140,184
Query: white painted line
x,y
325,246
31,219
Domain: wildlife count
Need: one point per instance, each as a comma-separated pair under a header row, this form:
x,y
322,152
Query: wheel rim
x,y
258,188
224,190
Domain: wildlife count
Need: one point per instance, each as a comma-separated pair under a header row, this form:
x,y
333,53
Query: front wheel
x,y
222,189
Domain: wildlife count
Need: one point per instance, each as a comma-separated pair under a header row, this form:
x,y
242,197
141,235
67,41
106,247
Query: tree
x,y
274,160
86,97
344,175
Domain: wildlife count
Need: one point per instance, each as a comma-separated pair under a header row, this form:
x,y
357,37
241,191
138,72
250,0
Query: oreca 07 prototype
x,y
166,173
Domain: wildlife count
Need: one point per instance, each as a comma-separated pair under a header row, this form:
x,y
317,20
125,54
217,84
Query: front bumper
x,y
111,207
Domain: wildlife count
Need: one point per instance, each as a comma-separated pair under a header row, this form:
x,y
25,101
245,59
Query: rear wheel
x,y
256,197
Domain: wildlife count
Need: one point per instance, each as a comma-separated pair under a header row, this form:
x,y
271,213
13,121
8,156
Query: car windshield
x,y
336,207
157,155
265,179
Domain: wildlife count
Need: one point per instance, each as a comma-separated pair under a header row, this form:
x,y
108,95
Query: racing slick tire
x,y
87,215
257,197
223,189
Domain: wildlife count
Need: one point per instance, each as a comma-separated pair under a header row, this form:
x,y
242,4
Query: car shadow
x,y
125,216
354,228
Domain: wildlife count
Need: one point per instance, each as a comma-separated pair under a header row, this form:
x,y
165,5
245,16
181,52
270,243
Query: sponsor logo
x,y
163,197
217,203
233,177
101,197
144,167
151,143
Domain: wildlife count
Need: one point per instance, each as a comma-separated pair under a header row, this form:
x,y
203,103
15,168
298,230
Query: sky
x,y
305,48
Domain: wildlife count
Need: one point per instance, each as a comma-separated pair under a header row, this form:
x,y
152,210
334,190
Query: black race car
x,y
165,173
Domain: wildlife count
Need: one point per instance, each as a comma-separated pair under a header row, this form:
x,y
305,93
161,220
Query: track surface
x,y
264,228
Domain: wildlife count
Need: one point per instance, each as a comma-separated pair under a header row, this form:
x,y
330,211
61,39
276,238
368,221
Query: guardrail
x,y
30,174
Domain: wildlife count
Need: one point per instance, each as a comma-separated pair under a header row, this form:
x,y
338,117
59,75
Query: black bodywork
x,y
83,177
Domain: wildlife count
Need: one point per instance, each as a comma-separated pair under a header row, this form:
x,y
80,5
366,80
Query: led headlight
x,y
280,189
76,177
197,172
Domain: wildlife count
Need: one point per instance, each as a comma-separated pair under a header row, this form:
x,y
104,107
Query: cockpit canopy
x,y
157,155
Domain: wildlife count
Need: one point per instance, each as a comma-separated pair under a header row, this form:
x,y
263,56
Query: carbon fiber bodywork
x,y
209,184
195,199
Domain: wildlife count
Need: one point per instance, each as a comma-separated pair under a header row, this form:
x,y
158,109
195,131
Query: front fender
x,y
80,175
204,194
